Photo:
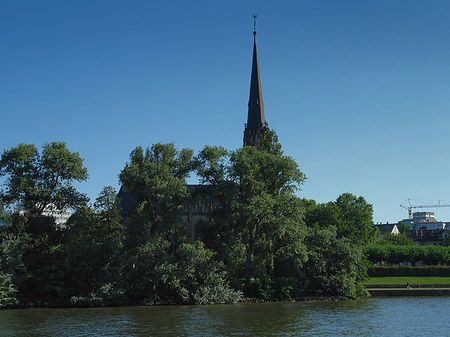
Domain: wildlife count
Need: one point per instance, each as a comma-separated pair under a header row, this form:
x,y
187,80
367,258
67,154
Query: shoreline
x,y
296,299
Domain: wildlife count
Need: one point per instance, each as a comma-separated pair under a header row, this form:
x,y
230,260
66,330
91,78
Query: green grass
x,y
411,279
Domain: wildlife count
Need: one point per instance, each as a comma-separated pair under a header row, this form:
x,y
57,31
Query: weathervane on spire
x,y
254,23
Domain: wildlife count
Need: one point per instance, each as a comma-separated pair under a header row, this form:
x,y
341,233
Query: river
x,y
419,316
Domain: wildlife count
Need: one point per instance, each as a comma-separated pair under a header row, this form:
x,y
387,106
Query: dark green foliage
x,y
255,238
12,269
441,271
160,268
259,210
351,215
43,258
93,250
160,273
36,181
108,295
156,178
392,254
402,227
392,239
335,266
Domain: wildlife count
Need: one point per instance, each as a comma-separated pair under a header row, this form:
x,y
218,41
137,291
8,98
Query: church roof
x,y
256,118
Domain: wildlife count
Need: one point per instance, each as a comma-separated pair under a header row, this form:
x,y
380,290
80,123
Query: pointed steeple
x,y
256,120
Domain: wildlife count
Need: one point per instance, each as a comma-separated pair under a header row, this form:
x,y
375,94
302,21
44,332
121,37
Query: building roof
x,y
427,234
385,228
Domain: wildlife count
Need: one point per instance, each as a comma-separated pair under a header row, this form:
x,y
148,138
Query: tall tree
x,y
264,214
156,178
93,251
351,215
38,180
335,266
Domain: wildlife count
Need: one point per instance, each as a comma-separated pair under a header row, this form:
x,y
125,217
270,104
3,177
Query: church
x,y
197,212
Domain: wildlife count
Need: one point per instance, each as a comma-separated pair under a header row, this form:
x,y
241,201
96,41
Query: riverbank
x,y
298,299
386,290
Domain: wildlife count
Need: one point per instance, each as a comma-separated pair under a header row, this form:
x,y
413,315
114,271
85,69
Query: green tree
x,y
108,215
160,267
335,266
12,269
258,205
351,215
156,178
187,275
321,215
393,239
93,250
36,181
402,227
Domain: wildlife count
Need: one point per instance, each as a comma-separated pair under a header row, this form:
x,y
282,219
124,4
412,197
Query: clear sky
x,y
358,91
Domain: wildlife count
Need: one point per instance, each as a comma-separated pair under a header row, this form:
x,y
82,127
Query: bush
x,y
8,292
287,288
106,296
335,266
393,254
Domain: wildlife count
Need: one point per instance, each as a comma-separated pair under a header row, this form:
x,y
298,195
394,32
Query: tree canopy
x,y
256,187
36,180
351,215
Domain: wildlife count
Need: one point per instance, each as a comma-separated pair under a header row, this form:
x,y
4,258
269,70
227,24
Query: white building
x,y
60,216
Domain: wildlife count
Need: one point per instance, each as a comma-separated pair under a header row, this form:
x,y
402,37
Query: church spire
x,y
256,121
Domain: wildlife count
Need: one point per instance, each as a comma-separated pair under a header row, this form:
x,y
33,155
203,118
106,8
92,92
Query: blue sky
x,y
358,91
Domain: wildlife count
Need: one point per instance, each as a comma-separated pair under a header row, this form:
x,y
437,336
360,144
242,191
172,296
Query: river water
x,y
413,316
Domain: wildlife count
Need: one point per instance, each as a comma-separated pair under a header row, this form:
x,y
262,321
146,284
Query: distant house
x,y
428,237
386,228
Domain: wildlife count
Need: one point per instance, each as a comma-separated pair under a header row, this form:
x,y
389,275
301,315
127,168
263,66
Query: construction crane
x,y
411,207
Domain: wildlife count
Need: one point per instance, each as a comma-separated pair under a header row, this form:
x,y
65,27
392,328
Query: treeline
x,y
393,254
261,241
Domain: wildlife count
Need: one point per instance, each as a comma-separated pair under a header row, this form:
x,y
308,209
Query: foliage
x,y
8,291
185,275
12,269
393,239
108,295
402,227
351,215
42,241
36,181
255,238
255,187
392,254
156,178
93,248
335,266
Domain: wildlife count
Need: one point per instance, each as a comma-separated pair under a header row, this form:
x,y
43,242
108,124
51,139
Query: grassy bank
x,y
401,280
